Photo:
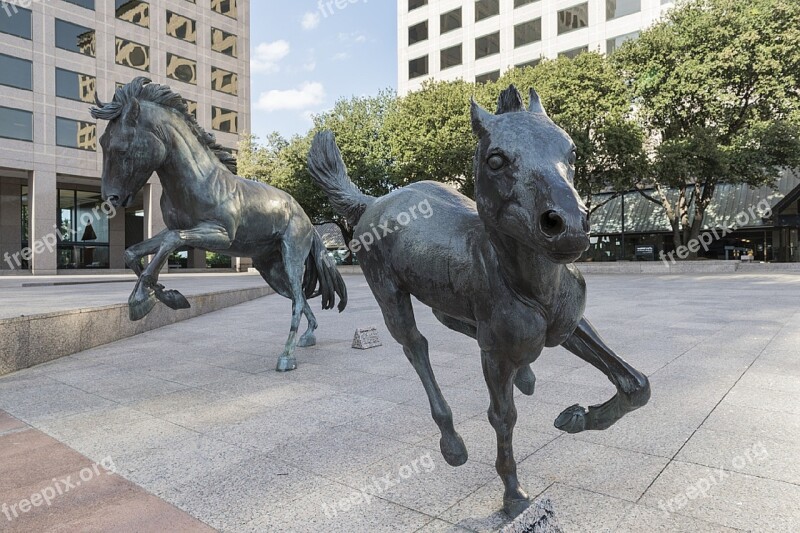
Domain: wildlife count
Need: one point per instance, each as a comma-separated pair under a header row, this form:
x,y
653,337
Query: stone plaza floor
x,y
194,415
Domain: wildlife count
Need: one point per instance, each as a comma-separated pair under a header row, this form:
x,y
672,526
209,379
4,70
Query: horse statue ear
x,y
480,119
132,114
536,103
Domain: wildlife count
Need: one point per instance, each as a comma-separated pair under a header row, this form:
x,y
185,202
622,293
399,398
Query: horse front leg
x,y
148,291
633,387
499,374
134,255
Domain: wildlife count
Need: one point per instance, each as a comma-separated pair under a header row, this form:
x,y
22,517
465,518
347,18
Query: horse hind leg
x,y
399,316
525,380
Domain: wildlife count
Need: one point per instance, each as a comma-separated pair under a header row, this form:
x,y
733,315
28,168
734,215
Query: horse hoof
x,y
286,364
572,419
516,506
525,381
453,450
173,299
141,307
306,341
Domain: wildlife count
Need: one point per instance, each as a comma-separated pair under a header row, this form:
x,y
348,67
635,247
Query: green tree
x,y
716,89
586,97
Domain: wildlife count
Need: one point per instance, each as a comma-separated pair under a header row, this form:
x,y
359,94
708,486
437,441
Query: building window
x,y
16,21
133,55
225,7
418,33
16,124
134,11
489,76
615,42
224,81
418,67
531,64
487,45
76,134
450,57
181,27
83,230
619,8
181,69
572,53
88,4
224,120
414,4
520,3
224,42
75,38
16,72
573,18
527,32
486,8
191,106
75,86
450,21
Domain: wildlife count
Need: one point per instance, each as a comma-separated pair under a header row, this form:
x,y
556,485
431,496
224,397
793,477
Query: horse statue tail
x,y
329,172
321,270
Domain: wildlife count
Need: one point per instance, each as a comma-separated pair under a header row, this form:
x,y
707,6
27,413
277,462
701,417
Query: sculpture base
x,y
538,518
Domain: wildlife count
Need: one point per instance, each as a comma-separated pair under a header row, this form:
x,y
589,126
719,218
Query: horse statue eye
x,y
573,157
496,162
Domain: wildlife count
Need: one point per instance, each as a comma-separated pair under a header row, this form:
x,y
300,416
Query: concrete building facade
x,y
479,40
54,55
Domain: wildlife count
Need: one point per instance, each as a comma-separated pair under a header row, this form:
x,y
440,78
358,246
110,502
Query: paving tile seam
x,y
739,472
705,419
691,517
14,431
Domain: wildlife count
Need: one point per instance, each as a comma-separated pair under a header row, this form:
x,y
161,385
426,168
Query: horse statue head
x,y
524,170
139,139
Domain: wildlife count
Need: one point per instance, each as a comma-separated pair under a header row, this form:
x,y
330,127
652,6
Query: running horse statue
x,y
499,271
206,206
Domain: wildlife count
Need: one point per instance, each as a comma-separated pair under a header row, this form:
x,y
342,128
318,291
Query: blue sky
x,y
306,54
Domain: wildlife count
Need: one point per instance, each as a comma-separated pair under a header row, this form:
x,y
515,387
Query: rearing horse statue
x,y
206,206
500,271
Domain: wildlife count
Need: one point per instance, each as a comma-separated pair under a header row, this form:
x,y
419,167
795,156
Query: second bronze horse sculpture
x,y
499,271
206,206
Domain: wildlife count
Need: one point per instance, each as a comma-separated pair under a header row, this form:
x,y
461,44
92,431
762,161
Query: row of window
x,y
76,38
569,19
18,124
138,12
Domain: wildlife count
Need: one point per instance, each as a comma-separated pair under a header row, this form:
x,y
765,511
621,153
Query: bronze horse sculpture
x,y
499,271
206,206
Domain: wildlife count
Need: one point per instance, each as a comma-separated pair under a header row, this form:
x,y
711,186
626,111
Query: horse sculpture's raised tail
x,y
329,172
320,271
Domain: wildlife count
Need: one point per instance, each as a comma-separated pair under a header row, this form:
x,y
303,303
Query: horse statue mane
x,y
144,90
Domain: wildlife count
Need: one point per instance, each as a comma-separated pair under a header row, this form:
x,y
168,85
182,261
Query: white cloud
x,y
352,38
308,95
341,56
310,20
267,56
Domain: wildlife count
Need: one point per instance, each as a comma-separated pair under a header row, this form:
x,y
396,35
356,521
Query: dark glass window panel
x,y
133,11
75,86
450,21
487,45
573,18
489,76
486,8
132,54
181,69
224,81
75,38
527,32
16,124
520,3
450,57
15,20
225,7
88,4
418,67
192,107
620,8
615,42
574,52
76,134
16,72
414,4
418,33
181,27
224,42
532,63
224,120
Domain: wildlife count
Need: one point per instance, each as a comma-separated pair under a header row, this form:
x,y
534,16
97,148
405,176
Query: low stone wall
x,y
31,340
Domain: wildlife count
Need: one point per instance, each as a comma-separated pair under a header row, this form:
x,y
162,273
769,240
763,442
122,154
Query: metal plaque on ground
x,y
366,338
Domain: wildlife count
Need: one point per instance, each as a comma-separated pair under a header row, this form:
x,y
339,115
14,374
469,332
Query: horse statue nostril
x,y
552,224
113,200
